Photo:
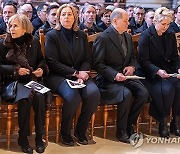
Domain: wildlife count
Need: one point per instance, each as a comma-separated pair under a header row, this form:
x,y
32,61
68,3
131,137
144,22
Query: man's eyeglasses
x,y
138,13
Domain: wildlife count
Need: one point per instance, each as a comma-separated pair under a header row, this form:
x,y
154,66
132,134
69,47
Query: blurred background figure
x,y
27,10
51,20
105,19
175,25
130,11
89,16
149,16
41,16
10,8
137,20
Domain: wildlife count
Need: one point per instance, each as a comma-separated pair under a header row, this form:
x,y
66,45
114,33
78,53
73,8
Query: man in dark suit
x,y
175,25
9,10
114,60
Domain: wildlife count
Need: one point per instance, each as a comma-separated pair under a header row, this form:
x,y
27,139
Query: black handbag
x,y
8,92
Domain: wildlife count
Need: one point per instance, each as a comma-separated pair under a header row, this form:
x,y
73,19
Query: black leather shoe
x,y
163,130
24,144
27,149
174,126
82,139
67,139
40,148
130,130
122,136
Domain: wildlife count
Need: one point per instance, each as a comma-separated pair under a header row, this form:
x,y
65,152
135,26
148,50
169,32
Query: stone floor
x,y
99,145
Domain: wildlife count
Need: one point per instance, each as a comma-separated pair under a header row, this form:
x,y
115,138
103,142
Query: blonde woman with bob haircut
x,y
68,57
158,60
22,60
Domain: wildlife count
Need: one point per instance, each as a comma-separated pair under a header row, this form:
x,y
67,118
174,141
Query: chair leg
x,y
92,125
58,103
47,126
105,119
137,124
150,125
9,123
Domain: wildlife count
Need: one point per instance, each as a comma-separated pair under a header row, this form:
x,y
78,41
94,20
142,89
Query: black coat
x,y
174,27
152,56
63,61
108,60
155,54
8,69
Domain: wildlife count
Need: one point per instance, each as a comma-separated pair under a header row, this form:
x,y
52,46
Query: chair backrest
x,y
42,39
178,42
135,39
2,36
91,38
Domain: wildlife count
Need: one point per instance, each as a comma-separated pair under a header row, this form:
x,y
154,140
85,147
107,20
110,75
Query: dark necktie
x,y
123,43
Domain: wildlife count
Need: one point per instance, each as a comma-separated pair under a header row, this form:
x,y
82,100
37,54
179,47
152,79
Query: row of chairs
x,y
58,101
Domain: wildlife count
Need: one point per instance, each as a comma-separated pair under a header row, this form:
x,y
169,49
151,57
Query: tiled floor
x,y
100,145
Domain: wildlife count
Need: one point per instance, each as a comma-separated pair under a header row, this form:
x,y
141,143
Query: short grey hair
x,y
117,13
162,13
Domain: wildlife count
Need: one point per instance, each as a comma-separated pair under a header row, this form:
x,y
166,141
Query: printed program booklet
x,y
37,87
75,84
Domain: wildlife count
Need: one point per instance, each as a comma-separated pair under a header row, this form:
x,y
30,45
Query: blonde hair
x,y
74,11
162,13
23,20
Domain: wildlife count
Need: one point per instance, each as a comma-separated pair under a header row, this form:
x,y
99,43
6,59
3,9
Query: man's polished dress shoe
x,y
27,149
40,148
24,144
122,136
82,139
67,139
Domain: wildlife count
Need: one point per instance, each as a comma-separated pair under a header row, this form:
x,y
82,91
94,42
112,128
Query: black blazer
x,y
108,60
62,61
152,56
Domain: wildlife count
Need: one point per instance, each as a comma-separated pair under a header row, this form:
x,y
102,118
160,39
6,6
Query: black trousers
x,y
135,95
24,110
165,95
90,98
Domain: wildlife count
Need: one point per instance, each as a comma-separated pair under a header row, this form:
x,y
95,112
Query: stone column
x,y
149,3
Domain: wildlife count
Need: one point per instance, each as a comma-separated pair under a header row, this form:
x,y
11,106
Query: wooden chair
x,y
106,108
135,39
8,109
178,42
58,101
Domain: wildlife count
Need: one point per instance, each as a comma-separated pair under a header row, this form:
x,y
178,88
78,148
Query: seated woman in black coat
x,y
158,58
68,57
21,59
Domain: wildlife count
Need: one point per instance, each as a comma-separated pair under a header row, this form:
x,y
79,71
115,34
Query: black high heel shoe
x,y
174,126
163,130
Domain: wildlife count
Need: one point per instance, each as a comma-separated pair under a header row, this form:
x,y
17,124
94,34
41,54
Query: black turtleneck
x,y
69,34
20,40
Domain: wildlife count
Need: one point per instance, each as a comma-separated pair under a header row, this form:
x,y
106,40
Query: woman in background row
x,y
68,57
21,59
158,58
